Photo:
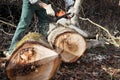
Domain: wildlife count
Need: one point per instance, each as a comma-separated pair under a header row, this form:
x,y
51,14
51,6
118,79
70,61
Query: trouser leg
x,y
26,16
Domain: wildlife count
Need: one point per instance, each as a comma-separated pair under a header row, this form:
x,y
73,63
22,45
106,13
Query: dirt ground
x,y
100,63
96,64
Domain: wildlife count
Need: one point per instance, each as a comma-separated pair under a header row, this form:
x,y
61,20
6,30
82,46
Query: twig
x,y
111,71
5,32
111,37
7,23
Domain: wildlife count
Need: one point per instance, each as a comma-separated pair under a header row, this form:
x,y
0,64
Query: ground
x,y
96,64
99,63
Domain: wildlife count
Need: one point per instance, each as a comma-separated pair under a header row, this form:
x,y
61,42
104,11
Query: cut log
x,y
68,43
32,59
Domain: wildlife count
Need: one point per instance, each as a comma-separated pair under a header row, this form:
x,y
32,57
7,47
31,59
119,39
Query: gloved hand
x,y
33,1
49,10
71,11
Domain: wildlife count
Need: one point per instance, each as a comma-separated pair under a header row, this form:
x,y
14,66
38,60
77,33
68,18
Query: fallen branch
x,y
112,38
7,23
5,32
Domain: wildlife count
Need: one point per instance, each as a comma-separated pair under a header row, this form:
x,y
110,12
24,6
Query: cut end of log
x,y
70,46
32,61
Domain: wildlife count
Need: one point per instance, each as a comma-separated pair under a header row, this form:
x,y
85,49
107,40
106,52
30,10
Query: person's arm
x,y
47,7
69,3
41,4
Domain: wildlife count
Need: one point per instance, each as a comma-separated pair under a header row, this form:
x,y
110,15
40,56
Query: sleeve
x,y
69,2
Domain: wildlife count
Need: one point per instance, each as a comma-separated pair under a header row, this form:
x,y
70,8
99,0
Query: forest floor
x,y
99,63
96,64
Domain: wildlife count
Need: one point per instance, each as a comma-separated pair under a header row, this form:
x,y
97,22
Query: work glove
x,y
71,12
49,10
33,1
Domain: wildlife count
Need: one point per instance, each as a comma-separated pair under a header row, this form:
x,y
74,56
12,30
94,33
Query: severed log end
x,y
32,61
69,44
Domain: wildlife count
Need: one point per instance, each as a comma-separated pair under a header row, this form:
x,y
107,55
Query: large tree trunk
x,y
32,59
67,42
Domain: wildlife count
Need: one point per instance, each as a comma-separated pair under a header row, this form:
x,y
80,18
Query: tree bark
x,y
32,59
